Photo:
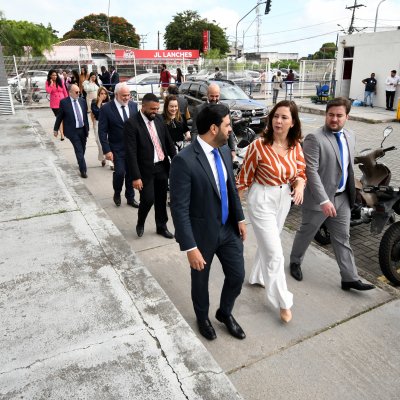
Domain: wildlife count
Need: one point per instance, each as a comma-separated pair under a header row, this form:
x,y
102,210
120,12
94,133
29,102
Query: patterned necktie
x,y
222,186
339,142
156,142
78,114
125,115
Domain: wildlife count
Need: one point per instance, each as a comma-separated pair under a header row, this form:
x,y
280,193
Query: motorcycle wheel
x,y
389,254
323,237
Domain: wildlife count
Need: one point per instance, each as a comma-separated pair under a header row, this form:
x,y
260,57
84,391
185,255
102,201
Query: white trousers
x,y
268,207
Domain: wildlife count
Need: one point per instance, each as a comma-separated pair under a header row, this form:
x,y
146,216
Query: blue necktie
x,y
124,113
78,114
339,142
222,186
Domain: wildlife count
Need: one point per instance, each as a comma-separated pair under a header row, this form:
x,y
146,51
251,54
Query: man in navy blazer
x,y
208,216
112,117
148,146
73,113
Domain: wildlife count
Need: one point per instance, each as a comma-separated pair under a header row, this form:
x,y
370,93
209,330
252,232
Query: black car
x,y
239,103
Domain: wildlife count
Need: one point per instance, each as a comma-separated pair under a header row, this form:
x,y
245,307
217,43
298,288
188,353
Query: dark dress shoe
x,y
117,199
103,163
83,174
140,230
206,329
357,285
295,271
165,232
230,322
133,203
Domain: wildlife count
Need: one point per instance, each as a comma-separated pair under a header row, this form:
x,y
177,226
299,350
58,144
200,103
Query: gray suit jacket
x,y
323,167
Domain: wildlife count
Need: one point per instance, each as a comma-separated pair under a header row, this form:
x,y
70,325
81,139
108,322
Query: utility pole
x,y
351,27
143,40
258,28
158,40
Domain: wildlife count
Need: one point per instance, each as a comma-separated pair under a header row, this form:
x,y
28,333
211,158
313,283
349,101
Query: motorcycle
x,y
247,136
376,204
30,94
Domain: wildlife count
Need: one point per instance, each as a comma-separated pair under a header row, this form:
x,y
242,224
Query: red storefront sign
x,y
206,41
156,54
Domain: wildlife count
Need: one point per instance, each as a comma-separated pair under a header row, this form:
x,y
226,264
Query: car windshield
x,y
233,92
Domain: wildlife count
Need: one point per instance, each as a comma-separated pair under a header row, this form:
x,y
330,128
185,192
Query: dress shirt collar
x,y
207,148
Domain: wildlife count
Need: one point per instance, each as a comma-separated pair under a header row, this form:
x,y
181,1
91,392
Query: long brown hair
x,y
294,135
165,114
99,90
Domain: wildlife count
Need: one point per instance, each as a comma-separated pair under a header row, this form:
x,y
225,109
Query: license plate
x,y
255,121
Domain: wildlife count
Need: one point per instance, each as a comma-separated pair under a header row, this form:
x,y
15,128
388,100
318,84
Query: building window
x,y
348,52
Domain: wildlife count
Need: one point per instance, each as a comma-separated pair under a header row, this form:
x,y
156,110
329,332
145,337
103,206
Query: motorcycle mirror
x,y
386,132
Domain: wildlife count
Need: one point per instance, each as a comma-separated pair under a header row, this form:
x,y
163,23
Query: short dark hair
x,y
294,135
150,97
217,68
164,65
394,71
338,102
173,89
209,115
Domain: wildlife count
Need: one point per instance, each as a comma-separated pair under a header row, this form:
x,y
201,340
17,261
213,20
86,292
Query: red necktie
x,y
156,142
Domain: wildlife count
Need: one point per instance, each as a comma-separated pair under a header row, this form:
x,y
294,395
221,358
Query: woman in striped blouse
x,y
274,172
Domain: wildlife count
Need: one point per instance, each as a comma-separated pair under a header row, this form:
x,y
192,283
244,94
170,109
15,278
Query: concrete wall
x,y
377,52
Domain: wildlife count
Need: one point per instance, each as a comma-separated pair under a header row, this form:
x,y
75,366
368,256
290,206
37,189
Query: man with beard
x,y
208,217
213,95
148,146
112,117
330,193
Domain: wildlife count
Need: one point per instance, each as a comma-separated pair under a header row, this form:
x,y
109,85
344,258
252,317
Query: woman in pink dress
x,y
56,89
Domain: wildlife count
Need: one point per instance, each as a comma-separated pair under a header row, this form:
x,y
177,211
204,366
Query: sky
x,y
292,26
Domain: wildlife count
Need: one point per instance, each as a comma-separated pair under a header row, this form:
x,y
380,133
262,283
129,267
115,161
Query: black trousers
x,y
229,251
389,99
121,174
78,139
154,192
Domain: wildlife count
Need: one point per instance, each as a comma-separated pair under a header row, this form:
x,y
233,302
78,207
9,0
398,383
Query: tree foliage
x,y
21,38
94,26
186,32
327,51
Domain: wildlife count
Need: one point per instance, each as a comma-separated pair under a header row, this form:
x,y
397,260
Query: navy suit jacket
x,y
67,116
111,127
140,148
195,200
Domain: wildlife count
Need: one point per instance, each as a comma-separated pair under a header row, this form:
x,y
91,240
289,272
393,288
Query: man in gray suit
x,y
330,193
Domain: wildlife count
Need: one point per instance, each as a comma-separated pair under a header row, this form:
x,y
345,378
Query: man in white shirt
x,y
391,85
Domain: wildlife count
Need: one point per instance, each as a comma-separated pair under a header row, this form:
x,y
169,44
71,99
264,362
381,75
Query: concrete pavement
x,y
77,302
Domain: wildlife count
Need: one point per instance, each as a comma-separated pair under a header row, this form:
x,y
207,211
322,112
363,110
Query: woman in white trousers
x,y
274,172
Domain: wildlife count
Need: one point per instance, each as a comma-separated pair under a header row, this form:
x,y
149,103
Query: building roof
x,y
96,46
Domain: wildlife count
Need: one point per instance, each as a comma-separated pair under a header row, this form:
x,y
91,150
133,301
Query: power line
x,y
298,40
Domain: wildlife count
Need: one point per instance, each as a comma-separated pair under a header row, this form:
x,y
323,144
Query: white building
x,y
361,54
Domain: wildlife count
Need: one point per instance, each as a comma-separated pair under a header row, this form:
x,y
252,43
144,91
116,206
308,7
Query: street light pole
x,y
376,16
236,48
108,31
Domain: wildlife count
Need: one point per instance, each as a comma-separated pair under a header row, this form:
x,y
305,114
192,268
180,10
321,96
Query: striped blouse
x,y
264,166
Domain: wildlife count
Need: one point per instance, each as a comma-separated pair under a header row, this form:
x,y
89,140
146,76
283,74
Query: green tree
x,y
327,51
186,32
94,26
25,38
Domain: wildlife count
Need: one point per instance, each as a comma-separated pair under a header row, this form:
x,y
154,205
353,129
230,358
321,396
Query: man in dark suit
x,y
114,78
73,113
105,77
112,117
148,146
330,193
213,95
208,216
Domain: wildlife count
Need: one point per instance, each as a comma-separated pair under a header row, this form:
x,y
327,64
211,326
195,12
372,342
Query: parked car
x,y
33,76
249,81
239,103
283,74
286,71
202,74
141,84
